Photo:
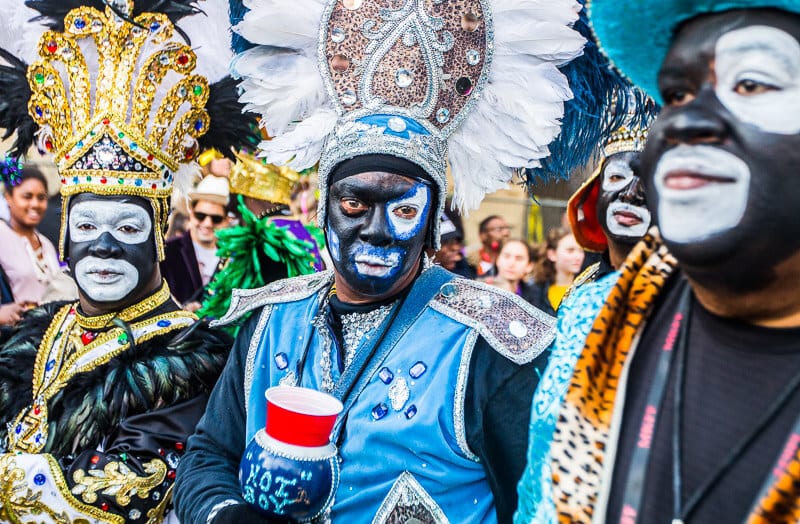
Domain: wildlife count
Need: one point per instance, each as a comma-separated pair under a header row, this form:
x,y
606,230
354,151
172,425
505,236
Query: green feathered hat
x,y
636,34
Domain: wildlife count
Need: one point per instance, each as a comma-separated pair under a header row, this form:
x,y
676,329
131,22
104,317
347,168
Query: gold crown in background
x,y
624,140
255,178
122,124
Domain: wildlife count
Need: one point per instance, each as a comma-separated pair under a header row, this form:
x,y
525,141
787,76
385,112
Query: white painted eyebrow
x,y
773,47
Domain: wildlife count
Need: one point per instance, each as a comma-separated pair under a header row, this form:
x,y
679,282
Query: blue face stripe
x,y
418,196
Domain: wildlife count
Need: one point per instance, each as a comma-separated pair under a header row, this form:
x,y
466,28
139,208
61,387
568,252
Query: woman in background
x,y
514,263
28,258
560,261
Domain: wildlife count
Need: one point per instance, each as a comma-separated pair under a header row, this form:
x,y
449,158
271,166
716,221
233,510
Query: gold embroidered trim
x,y
62,350
129,313
156,515
116,479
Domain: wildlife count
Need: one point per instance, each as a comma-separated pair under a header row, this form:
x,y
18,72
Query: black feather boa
x,y
157,373
52,12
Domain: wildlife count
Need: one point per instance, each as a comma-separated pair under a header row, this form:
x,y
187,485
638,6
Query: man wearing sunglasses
x,y
191,260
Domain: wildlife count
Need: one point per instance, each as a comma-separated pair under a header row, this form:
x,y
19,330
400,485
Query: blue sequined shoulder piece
x,y
278,292
514,328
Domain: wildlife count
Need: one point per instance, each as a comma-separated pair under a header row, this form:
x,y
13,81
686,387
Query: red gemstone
x,y
154,186
150,157
171,474
36,410
95,459
104,506
179,446
161,451
183,59
63,180
72,311
106,121
52,46
48,144
66,156
87,337
103,180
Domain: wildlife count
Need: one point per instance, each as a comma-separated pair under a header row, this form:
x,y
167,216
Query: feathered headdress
x,y
474,82
118,94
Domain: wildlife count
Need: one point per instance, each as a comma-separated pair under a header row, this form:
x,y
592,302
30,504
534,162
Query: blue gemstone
x,y
39,479
38,438
380,411
18,429
134,145
50,365
79,144
386,375
39,111
74,180
138,182
163,323
281,360
411,411
418,369
80,23
155,26
198,125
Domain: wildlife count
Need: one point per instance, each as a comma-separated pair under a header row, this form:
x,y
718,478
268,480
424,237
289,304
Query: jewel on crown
x,y
117,101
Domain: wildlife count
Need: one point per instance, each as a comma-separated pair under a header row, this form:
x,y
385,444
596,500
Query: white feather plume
x,y
280,23
210,38
17,35
301,147
283,85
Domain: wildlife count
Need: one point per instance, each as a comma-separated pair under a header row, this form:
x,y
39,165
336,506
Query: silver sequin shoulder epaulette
x,y
278,292
514,328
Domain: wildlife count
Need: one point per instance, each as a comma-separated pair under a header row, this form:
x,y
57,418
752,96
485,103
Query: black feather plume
x,y
52,12
14,96
230,127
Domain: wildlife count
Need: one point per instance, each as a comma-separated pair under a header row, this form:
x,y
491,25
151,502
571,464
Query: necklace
x,y
131,312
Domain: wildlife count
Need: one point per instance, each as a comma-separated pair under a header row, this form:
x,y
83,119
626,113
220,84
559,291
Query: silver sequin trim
x,y
493,312
361,326
281,291
399,393
461,394
250,365
407,492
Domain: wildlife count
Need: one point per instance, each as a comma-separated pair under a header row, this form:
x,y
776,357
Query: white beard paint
x,y
690,215
620,230
106,279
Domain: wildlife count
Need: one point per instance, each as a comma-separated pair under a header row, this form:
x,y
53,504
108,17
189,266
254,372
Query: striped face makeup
x,y
621,209
721,163
377,226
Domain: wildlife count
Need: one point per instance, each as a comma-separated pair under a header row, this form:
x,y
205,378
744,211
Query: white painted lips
x,y
375,266
702,190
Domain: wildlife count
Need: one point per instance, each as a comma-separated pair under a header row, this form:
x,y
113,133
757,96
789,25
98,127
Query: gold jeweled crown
x,y
625,139
124,124
256,178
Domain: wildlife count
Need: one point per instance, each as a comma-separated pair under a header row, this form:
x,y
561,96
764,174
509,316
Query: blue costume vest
x,y
404,451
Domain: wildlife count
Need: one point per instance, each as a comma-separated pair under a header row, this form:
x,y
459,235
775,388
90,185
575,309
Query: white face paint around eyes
x,y
616,168
621,219
106,279
765,55
419,198
697,213
128,223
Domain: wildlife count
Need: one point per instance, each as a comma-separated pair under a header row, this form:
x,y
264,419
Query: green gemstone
x,y
123,456
121,135
198,90
121,181
39,78
88,178
123,338
58,335
91,133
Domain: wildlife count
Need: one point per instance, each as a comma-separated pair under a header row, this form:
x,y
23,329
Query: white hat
x,y
212,189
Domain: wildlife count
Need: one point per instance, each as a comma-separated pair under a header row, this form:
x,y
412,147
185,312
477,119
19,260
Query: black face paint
x,y
721,182
377,224
111,248
621,209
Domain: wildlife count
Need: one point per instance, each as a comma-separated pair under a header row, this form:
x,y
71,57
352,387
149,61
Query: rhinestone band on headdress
x,y
405,78
117,98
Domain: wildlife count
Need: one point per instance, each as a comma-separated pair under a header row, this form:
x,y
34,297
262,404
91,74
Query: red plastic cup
x,y
301,416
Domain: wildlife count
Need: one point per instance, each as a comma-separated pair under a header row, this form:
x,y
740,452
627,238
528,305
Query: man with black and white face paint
x,y
696,353
112,250
98,396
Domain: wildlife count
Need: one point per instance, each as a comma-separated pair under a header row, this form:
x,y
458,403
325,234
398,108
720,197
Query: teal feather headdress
x,y
636,34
